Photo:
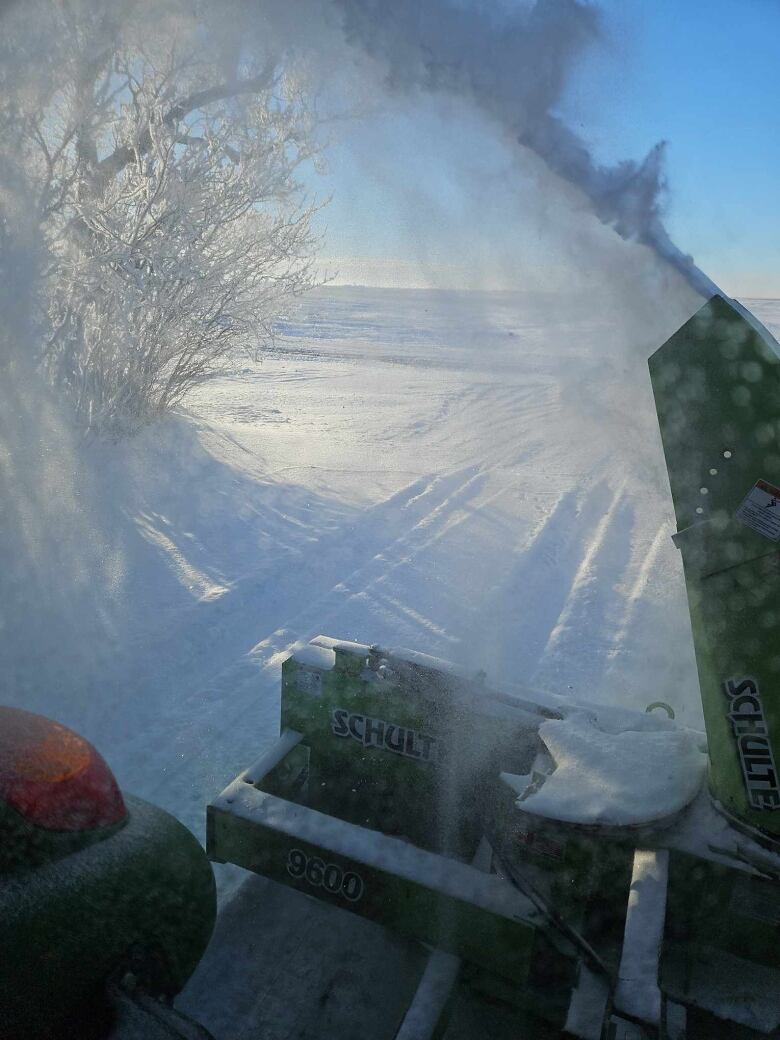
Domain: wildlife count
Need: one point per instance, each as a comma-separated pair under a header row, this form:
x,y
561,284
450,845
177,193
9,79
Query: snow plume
x,y
514,68
54,556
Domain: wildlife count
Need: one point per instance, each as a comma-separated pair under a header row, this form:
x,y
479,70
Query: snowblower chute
x,y
717,391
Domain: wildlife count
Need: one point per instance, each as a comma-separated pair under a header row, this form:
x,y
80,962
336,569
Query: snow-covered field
x,y
477,476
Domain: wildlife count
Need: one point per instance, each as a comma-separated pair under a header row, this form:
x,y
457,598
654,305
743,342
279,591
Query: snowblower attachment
x,y
377,798
717,391
568,855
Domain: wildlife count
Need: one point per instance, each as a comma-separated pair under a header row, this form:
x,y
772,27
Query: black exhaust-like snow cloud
x,y
513,67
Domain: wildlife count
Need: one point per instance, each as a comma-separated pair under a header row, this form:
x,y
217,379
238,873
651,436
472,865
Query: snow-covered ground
x,y
478,476
475,475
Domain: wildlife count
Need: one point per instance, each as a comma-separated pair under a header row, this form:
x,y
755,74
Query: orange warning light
x,y
53,777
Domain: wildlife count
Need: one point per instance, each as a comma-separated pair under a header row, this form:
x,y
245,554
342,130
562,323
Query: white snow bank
x,y
634,776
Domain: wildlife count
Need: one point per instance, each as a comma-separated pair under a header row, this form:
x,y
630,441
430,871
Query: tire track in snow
x,y
432,502
638,589
239,700
431,511
184,702
518,617
220,630
578,649
400,553
655,639
226,698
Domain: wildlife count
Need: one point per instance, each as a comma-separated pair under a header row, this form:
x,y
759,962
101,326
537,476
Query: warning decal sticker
x,y
760,510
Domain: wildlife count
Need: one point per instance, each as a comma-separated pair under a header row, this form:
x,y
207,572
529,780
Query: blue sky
x,y
705,76
429,188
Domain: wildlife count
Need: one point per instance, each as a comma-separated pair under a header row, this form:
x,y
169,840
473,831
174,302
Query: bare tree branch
x,y
174,230
124,154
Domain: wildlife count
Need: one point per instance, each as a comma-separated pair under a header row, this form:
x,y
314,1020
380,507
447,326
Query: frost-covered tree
x,y
160,150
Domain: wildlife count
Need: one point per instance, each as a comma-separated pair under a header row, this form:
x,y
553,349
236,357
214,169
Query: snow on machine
x,y
568,859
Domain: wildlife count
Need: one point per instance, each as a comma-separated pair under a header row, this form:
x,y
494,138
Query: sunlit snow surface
x,y
477,476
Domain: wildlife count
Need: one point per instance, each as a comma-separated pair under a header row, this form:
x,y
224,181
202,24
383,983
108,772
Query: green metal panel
x,y
374,798
408,755
717,392
24,845
720,952
713,905
422,895
412,909
582,873
702,1025
373,786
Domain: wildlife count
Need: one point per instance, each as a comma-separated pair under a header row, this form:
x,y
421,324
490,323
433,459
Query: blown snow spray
x,y
717,390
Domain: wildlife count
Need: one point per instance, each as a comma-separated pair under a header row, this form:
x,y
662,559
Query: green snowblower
x,y
569,859
607,874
